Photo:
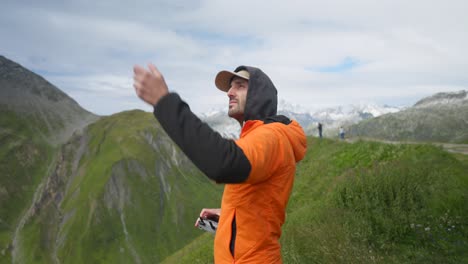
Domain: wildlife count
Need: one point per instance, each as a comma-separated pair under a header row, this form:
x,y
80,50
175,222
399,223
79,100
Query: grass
x,y
199,251
370,202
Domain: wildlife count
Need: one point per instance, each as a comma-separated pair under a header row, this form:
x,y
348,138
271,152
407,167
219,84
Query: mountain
x,y
35,119
333,118
222,123
78,188
298,113
120,192
444,99
353,113
43,107
442,117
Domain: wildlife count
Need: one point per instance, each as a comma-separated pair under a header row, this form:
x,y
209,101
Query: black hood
x,y
262,97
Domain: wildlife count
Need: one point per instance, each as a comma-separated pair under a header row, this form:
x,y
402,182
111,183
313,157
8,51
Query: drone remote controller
x,y
208,225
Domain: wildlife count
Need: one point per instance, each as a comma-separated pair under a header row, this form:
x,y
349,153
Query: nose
x,y
231,92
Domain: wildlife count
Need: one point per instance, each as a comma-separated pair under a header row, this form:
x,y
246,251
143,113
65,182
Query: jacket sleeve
x,y
219,158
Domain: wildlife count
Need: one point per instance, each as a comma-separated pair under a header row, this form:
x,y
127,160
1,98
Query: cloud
x,y
318,53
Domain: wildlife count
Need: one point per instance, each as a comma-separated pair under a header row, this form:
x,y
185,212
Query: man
x,y
258,168
320,129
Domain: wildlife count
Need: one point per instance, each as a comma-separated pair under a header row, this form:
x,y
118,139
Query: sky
x,y
319,54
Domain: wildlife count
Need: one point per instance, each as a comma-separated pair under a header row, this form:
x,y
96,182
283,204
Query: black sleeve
x,y
219,158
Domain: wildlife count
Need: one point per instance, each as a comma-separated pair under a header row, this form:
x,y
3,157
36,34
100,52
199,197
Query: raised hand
x,y
149,84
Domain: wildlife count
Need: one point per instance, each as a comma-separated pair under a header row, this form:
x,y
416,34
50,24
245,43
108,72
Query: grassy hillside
x,y
35,119
122,193
370,202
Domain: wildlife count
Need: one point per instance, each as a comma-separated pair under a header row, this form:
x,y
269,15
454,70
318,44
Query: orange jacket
x,y
259,203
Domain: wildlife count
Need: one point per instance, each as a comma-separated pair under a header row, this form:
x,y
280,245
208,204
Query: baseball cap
x,y
223,78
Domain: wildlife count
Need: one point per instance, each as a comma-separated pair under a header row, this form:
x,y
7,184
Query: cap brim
x,y
223,80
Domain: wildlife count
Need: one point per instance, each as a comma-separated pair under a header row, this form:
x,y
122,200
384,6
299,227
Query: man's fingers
x,y
154,70
137,69
207,212
203,213
136,78
140,78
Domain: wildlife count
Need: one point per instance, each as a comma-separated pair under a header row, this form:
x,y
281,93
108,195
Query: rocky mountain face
x,y
77,188
442,117
52,113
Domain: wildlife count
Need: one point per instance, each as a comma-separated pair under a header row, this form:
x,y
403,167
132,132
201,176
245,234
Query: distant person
x,y
257,169
320,129
342,132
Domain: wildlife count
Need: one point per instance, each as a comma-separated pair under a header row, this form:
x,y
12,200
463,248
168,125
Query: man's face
x,y
237,97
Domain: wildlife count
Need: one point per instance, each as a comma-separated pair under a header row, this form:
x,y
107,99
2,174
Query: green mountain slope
x,y
35,118
440,118
370,202
121,193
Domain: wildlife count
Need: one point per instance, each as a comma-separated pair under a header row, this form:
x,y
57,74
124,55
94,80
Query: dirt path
x,y
450,147
456,148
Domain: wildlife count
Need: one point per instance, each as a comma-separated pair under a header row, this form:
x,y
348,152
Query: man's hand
x,y
149,84
207,214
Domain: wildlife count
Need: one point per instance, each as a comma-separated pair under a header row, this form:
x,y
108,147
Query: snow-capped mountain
x,y
343,115
331,118
220,121
353,113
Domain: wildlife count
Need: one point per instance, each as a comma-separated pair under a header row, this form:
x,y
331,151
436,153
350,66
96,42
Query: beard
x,y
236,113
